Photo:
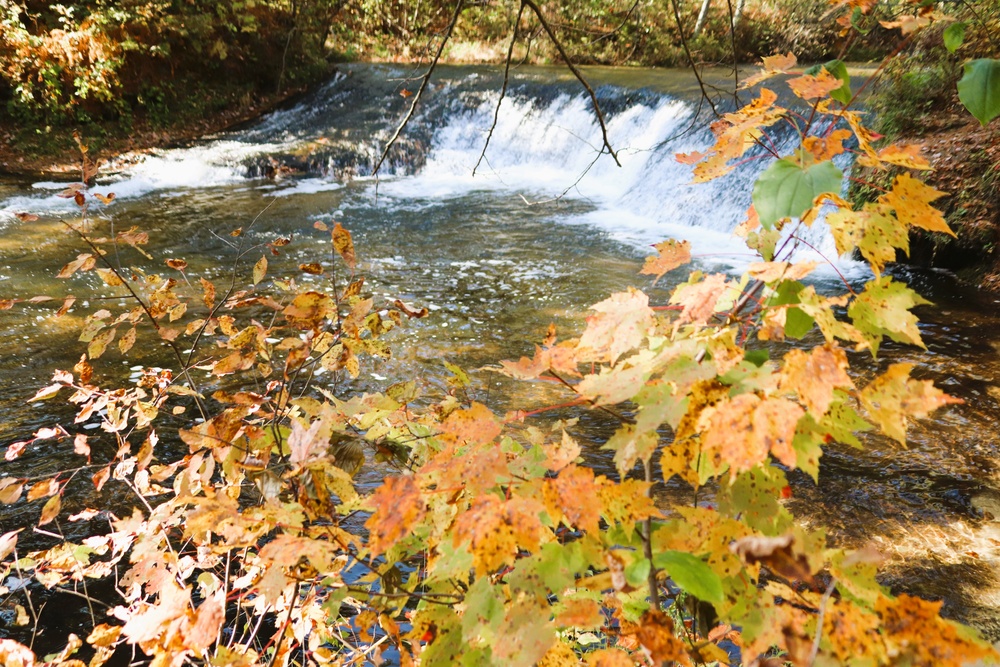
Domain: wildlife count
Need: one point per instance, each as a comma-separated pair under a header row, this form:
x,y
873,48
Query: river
x,y
543,229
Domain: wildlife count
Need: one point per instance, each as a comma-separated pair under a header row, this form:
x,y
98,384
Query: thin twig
x,y
503,88
819,622
647,543
576,72
694,67
423,86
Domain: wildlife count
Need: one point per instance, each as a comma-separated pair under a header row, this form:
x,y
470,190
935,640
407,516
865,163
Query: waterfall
x,y
544,149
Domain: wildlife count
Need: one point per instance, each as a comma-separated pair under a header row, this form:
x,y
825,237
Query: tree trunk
x,y
740,4
701,17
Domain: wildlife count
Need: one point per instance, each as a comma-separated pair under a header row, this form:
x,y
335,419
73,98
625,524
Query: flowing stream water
x,y
543,229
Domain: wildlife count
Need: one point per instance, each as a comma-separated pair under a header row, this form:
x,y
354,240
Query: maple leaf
x,y
864,136
618,383
911,200
914,628
627,502
735,133
770,272
621,323
557,456
671,255
699,298
576,491
810,87
656,635
285,552
493,529
894,396
772,65
739,433
631,444
397,508
883,309
828,146
901,155
814,376
527,634
873,230
478,424
821,310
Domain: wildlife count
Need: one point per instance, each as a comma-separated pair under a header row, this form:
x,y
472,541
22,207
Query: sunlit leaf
x,y
50,510
343,244
691,574
671,255
787,190
894,396
259,270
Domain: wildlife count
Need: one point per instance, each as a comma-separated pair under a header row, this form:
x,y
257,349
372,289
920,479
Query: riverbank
x,y
52,151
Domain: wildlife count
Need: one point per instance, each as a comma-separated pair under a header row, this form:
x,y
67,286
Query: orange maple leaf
x,y
398,507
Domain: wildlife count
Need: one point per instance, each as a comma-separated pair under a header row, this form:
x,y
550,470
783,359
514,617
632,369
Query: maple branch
x,y
503,88
425,79
819,622
647,542
184,369
576,72
623,419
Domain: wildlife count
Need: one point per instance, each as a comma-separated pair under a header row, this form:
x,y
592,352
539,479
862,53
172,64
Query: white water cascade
x,y
544,148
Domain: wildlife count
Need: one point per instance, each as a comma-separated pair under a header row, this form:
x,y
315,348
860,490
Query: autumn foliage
x,y
489,541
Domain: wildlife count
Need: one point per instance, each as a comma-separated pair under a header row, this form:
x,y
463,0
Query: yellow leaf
x,y
810,87
493,530
814,376
911,200
894,396
621,323
109,277
259,269
773,65
50,510
343,244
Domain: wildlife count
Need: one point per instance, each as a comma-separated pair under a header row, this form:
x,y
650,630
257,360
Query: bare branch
x,y
423,86
503,88
576,72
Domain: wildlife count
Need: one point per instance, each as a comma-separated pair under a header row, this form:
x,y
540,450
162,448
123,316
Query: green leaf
x,y
757,357
857,16
797,322
691,574
839,70
954,35
786,190
637,572
979,89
